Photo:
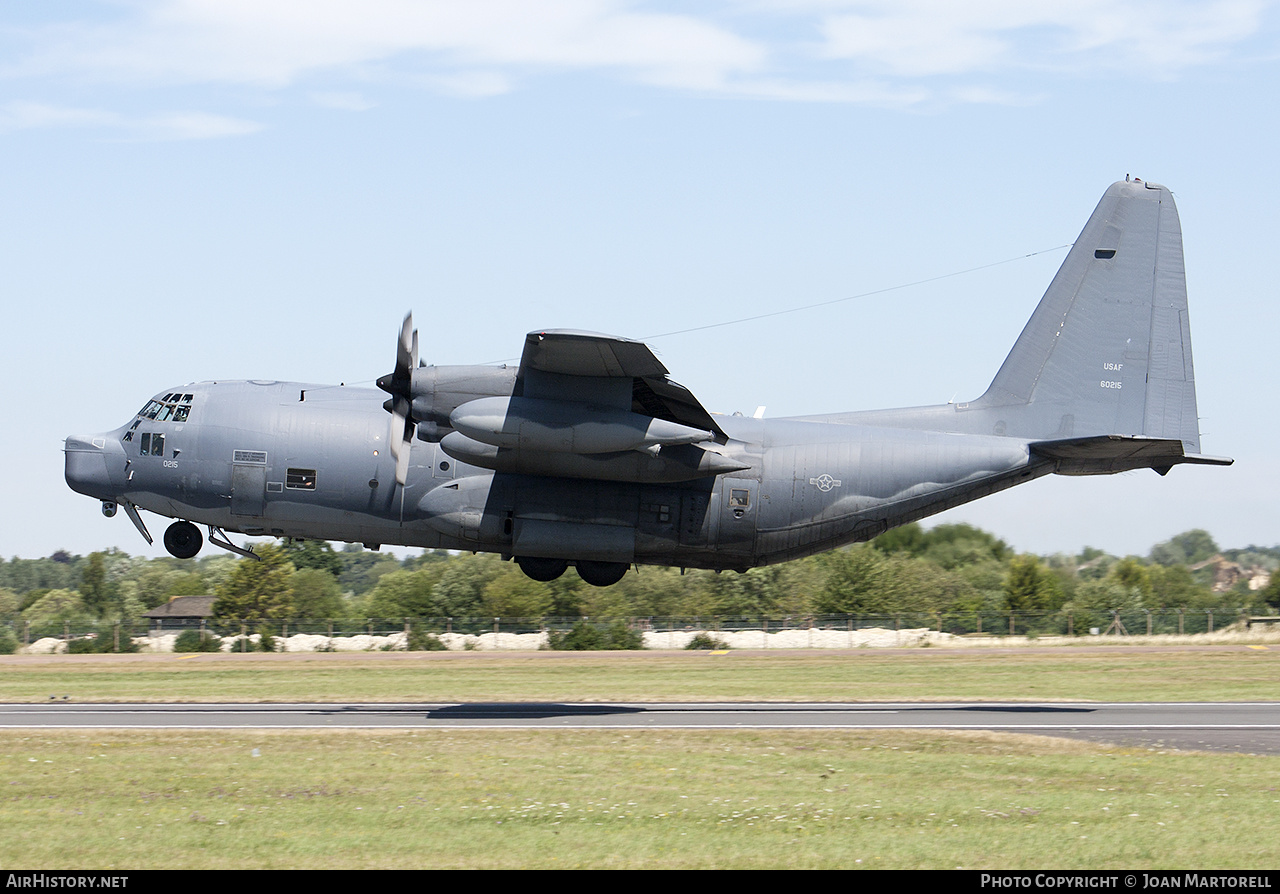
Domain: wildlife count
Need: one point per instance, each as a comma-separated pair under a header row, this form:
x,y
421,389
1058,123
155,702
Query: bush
x,y
266,639
8,642
585,637
101,643
706,641
421,641
197,641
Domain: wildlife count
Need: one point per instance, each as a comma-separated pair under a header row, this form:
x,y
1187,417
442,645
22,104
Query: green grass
x,y
654,799
649,798
1201,673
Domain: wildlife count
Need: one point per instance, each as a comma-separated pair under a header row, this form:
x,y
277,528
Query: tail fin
x,y
1108,349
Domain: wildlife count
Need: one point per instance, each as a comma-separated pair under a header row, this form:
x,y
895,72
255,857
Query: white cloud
x,y
878,52
168,126
279,43
917,38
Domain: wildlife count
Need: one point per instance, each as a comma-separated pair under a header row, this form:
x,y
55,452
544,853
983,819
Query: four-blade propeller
x,y
399,385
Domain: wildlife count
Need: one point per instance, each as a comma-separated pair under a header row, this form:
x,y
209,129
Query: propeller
x,y
399,384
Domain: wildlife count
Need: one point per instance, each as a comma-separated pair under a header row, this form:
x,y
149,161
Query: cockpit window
x,y
174,406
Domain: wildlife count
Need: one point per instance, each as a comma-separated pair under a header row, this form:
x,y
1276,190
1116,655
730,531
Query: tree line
x,y
946,569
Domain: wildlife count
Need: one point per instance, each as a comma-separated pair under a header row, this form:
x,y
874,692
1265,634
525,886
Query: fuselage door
x,y
248,489
737,516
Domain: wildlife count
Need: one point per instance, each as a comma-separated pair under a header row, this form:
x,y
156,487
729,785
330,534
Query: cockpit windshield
x,y
173,407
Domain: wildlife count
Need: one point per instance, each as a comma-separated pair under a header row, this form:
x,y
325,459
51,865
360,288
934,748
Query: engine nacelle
x,y
439,390
561,426
664,465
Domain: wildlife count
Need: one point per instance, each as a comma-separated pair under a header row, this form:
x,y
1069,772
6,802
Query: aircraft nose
x,y
95,465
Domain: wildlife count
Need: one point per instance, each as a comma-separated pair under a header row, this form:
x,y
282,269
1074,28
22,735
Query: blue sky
x,y
200,189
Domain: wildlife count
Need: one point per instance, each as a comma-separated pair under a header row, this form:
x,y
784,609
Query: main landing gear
x,y
597,574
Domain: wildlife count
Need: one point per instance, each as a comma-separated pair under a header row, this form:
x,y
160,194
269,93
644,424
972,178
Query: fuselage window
x,y
300,479
739,499
152,444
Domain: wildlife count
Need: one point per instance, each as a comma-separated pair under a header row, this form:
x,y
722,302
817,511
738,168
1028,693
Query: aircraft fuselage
x,y
311,461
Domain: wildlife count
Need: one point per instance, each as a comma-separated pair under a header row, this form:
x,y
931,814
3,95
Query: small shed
x,y
181,613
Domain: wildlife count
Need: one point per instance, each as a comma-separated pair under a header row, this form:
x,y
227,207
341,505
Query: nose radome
x,y
89,461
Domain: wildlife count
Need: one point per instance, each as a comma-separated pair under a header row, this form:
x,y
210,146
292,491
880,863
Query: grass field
x,y
656,799
1116,673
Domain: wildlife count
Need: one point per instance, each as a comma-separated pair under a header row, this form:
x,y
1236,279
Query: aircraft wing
x,y
590,406
568,365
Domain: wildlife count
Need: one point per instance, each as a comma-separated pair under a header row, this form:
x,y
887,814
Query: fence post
x,y
1180,617
1148,611
1011,624
1209,612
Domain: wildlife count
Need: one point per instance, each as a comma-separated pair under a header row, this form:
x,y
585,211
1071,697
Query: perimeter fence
x,y
325,634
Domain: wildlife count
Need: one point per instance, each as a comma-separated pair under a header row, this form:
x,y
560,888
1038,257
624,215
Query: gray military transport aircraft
x,y
587,454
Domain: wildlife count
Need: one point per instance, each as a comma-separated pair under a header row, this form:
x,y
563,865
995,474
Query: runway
x,y
1252,727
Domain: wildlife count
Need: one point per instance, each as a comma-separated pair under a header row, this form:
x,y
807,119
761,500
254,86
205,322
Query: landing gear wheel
x,y
541,569
182,539
601,574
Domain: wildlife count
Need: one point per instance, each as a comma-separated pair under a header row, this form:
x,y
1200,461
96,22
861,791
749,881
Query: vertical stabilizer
x,y
1108,349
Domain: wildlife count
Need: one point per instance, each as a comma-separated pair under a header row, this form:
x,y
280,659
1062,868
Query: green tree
x,y
10,604
258,590
316,594
513,595
361,569
1270,594
947,546
1186,548
462,584
857,581
407,594
909,539
1030,586
93,586
316,554
1133,575
57,605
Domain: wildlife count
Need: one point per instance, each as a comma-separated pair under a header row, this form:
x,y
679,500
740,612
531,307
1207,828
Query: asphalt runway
x,y
1242,727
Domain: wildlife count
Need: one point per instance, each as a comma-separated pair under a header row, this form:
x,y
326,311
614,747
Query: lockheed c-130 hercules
x,y
588,454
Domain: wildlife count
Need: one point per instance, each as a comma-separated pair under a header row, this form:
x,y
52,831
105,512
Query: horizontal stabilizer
x,y
1106,454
